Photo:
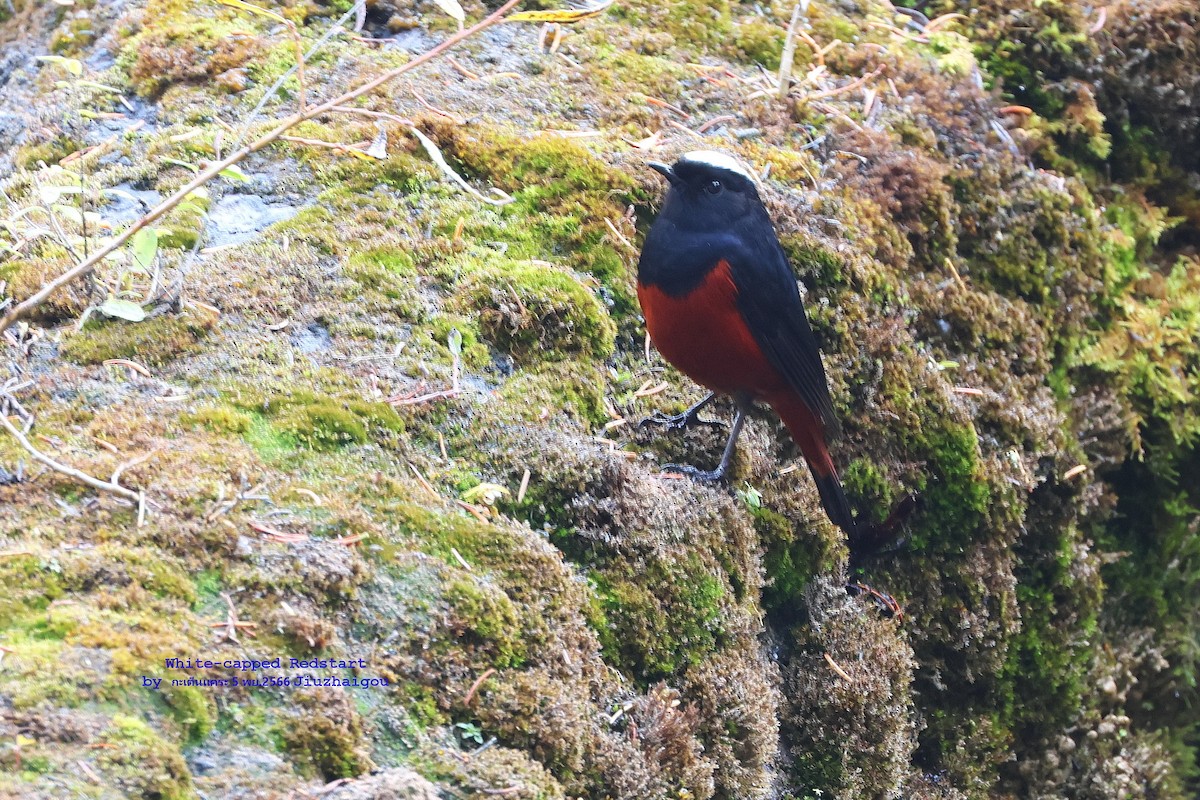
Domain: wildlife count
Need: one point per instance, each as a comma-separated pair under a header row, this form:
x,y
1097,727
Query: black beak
x,y
665,171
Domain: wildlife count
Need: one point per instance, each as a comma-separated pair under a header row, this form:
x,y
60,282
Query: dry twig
x,y
63,469
475,686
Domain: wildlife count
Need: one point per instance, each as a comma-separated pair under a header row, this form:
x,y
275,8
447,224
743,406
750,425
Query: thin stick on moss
x,y
788,57
475,686
63,469
26,307
849,87
836,667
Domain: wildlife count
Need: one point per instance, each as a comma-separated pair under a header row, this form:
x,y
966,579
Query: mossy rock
x,y
25,277
536,312
328,739
191,709
573,386
142,763
219,419
299,417
178,46
655,627
488,619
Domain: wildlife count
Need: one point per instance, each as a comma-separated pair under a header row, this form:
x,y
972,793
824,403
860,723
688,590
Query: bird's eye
x,y
714,187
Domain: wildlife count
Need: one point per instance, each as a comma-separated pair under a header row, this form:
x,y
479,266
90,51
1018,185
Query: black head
x,y
709,191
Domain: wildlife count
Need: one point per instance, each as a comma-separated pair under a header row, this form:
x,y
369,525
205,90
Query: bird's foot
x,y
704,476
678,422
885,603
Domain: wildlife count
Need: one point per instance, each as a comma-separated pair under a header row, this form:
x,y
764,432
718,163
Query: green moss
x,y
1151,354
178,46
33,585
662,621
438,332
73,38
868,487
953,52
421,704
322,425
536,312
31,155
575,387
790,561
954,492
306,419
181,227
488,619
385,269
271,444
142,763
218,419
562,195
757,41
152,343
328,738
191,709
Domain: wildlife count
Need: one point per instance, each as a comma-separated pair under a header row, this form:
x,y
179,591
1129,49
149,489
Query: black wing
x,y
770,301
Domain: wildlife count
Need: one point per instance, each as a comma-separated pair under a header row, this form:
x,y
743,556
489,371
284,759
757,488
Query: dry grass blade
x,y
563,16
26,307
836,667
435,154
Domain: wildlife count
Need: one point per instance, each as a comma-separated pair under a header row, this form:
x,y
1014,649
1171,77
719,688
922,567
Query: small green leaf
x,y
233,173
122,309
455,341
486,493
144,246
750,496
71,65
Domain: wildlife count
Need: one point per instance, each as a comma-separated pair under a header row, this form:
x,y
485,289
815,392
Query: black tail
x,y
833,498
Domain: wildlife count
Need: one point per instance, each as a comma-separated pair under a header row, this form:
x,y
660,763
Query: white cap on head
x,y
719,160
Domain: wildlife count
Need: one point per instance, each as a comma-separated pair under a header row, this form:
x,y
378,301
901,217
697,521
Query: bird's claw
x,y
678,422
705,476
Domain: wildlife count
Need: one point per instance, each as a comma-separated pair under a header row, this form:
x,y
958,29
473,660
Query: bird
x,y
722,305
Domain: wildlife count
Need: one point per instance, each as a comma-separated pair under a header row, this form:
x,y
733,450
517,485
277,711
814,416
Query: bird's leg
x,y
718,473
685,420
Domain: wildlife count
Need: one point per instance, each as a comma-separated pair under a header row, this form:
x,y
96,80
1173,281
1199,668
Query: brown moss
x,y
853,737
26,278
177,47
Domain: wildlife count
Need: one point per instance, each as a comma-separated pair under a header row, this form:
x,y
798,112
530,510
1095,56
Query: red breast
x,y
705,336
